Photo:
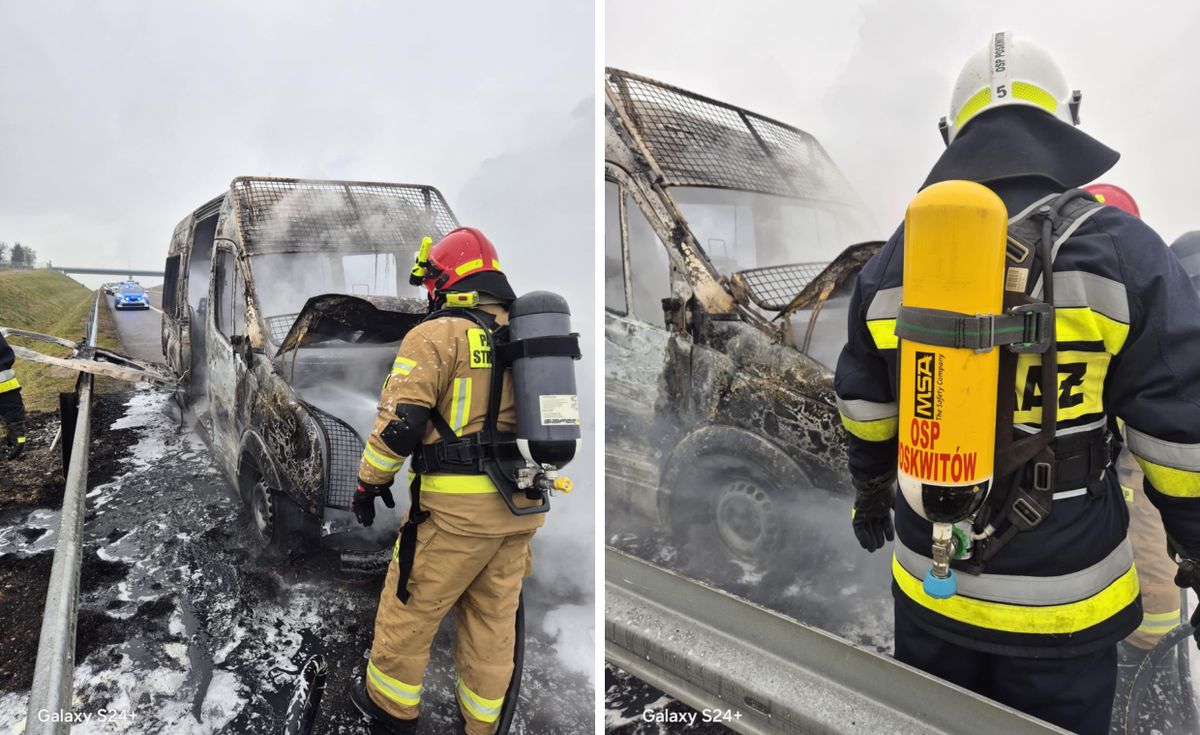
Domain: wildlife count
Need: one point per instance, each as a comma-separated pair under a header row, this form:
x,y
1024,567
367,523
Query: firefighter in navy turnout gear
x,y
1045,584
449,404
12,407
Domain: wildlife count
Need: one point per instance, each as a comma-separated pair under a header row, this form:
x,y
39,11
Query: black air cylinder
x,y
544,385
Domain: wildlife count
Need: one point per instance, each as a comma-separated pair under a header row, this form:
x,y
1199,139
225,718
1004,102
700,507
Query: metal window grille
x,y
295,215
773,287
345,449
699,141
279,326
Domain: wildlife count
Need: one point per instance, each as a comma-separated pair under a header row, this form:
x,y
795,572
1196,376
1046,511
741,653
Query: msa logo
x,y
923,386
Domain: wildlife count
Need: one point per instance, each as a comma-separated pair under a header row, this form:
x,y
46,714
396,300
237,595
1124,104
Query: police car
x,y
131,295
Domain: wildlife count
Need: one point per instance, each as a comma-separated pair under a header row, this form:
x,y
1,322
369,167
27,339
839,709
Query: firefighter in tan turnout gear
x,y
465,543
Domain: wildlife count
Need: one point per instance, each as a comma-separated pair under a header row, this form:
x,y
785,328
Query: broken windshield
x,y
286,281
741,230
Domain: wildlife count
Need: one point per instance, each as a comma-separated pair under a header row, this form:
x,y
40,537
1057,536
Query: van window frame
x,y
623,240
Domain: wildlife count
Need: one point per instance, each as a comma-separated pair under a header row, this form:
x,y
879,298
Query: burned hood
x,y
353,319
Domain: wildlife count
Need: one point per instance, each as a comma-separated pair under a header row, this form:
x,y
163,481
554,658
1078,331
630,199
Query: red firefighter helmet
x,y
463,254
1114,196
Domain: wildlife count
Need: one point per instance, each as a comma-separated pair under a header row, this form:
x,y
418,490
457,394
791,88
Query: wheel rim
x,y
263,508
746,519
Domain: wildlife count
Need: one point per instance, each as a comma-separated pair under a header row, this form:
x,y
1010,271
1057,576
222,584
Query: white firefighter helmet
x,y
1009,71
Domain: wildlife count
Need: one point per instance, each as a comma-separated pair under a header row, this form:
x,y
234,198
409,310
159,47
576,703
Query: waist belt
x,y
465,456
1079,461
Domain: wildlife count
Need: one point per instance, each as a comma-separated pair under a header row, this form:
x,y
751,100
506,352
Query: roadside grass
x,y
51,303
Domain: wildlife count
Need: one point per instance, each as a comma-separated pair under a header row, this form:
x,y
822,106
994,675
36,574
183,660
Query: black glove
x,y
872,516
14,440
364,500
1188,575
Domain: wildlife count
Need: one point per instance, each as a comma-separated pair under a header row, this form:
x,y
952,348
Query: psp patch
x,y
481,351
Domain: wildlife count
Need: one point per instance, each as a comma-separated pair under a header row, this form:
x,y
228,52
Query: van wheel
x,y
266,526
724,499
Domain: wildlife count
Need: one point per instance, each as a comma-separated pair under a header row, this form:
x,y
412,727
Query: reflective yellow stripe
x,y
1036,95
403,366
8,385
1159,623
883,331
1170,481
456,484
872,431
1043,620
394,689
483,709
971,107
1081,324
495,264
470,265
460,410
380,461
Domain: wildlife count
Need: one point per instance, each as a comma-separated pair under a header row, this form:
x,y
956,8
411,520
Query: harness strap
x,y
551,346
1025,327
406,546
1027,471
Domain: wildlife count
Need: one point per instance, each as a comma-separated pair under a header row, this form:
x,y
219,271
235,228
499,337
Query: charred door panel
x,y
639,420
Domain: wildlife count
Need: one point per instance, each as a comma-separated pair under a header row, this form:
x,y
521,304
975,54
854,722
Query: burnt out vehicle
x,y
727,276
284,303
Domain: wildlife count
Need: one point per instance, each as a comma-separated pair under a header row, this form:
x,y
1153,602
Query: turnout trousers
x,y
1073,693
480,577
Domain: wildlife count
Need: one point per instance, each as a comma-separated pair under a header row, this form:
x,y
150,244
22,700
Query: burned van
x,y
729,258
284,303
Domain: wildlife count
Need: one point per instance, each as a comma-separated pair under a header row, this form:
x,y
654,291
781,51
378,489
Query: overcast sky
x,y
871,78
118,118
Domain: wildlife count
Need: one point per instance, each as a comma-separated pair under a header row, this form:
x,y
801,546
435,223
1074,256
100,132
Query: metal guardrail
x,y
54,669
714,651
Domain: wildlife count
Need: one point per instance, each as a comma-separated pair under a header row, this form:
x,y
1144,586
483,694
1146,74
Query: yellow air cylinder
x,y
954,253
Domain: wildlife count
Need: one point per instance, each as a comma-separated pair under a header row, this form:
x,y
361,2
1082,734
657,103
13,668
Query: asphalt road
x,y
140,329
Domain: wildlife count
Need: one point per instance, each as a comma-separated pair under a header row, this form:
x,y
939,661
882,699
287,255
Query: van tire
x,y
735,505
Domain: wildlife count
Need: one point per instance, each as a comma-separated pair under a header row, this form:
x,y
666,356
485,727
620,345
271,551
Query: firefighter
x,y
1036,625
464,547
12,407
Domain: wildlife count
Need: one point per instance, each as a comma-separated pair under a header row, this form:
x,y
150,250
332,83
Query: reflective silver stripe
x,y
1015,589
1168,454
1031,429
860,410
1029,210
1068,494
1080,288
1037,288
885,305
7,375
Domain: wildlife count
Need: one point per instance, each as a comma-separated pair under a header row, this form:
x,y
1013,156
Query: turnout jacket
x,y
442,364
12,408
1128,334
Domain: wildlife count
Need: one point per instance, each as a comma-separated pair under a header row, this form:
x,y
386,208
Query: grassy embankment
x,y
51,303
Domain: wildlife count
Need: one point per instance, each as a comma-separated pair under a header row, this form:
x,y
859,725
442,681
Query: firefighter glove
x,y
364,501
14,440
872,515
1188,575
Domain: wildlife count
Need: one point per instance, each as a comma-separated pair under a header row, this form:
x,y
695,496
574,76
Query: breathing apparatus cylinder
x,y
543,379
954,257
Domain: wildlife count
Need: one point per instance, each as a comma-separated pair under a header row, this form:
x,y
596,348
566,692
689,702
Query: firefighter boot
x,y
381,722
